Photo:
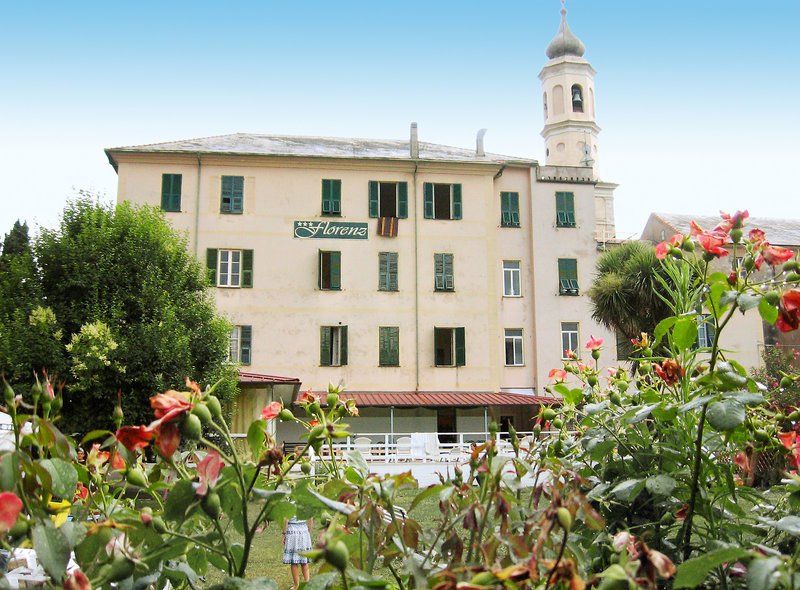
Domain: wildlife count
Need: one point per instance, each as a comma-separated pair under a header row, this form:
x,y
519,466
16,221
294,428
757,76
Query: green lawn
x,y
266,556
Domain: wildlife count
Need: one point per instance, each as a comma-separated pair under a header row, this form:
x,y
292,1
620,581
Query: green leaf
x,y
725,415
789,524
258,584
660,485
63,476
52,550
601,450
665,414
663,327
256,437
428,492
692,572
641,414
762,573
628,489
745,397
354,459
9,472
572,397
179,499
749,301
769,313
592,409
695,403
727,298
322,581
684,334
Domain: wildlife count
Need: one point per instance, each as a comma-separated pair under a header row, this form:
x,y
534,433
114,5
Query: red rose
x,y
789,311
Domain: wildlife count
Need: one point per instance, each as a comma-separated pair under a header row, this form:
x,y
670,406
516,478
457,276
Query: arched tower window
x,y
544,101
577,98
558,99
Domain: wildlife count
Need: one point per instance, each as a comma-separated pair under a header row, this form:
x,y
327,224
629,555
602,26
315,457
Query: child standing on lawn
x,y
296,540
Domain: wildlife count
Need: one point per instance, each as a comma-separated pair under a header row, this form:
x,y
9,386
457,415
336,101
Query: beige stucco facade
x,y
285,306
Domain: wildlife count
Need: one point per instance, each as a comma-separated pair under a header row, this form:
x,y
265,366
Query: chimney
x,y
479,141
414,145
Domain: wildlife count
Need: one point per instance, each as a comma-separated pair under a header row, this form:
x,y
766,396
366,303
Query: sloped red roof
x,y
259,378
407,399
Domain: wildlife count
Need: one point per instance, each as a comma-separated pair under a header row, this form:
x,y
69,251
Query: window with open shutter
x,y
245,344
567,276
330,269
247,269
211,265
171,192
509,209
332,346
565,209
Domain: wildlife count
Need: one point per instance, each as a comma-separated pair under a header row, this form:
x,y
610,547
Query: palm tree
x,y
626,288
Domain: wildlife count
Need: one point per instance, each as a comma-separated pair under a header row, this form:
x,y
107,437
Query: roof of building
x,y
565,43
781,232
457,399
245,378
248,144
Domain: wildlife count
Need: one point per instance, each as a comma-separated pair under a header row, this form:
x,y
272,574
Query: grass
x,y
266,554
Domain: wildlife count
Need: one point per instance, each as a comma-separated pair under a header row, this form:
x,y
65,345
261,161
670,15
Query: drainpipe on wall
x,y
197,212
414,154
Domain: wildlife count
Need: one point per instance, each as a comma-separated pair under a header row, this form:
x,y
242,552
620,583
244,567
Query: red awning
x,y
472,399
245,378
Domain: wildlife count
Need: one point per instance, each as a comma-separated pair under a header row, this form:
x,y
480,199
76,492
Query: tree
x,y
626,293
129,309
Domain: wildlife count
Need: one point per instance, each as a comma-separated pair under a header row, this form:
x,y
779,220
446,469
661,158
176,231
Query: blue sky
x,y
697,100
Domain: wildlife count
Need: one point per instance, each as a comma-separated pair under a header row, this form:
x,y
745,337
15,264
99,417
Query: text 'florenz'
x,y
330,229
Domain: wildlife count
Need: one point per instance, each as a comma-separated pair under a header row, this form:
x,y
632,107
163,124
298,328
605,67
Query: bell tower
x,y
570,131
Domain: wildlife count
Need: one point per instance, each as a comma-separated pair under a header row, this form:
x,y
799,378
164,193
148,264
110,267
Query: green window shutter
x,y
383,347
325,346
505,210
448,272
568,276
393,271
373,198
336,270
245,344
327,201
171,192
461,348
320,266
232,194
438,271
343,351
436,332
402,200
331,197
427,190
456,201
569,206
389,346
383,271
211,264
247,269
565,209
514,206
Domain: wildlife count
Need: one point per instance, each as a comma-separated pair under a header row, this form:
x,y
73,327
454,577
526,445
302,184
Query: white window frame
x,y
513,336
233,344
231,262
512,287
573,338
704,340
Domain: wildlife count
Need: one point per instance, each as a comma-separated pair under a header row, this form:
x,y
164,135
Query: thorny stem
x,y
396,575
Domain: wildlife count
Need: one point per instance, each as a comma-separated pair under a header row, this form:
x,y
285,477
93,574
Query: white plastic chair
x,y
364,446
403,448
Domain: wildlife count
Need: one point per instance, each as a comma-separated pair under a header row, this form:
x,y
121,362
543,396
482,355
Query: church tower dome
x,y
565,43
570,130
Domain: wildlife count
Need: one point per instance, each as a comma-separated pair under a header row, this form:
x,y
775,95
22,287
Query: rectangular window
x,y
514,356
567,276
171,192
442,201
331,197
443,272
388,199
565,209
387,271
230,268
511,283
330,270
705,331
449,347
509,207
569,338
389,346
333,346
240,344
232,198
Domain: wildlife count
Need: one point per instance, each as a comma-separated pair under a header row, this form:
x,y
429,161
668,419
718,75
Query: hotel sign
x,y
330,229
